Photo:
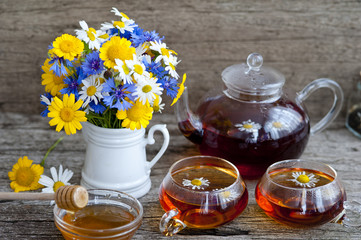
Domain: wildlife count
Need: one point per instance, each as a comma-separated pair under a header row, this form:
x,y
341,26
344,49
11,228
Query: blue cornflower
x,y
97,108
139,36
93,64
170,85
118,94
45,100
156,68
58,65
73,83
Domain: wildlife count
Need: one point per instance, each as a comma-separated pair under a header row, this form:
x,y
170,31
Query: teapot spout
x,y
188,122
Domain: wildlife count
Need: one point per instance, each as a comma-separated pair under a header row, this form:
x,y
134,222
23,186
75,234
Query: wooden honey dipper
x,y
69,197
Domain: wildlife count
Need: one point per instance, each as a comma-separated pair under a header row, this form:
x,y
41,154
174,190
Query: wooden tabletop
x,y
29,135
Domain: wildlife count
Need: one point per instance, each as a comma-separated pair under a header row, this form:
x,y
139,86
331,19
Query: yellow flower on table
x,y
25,175
66,114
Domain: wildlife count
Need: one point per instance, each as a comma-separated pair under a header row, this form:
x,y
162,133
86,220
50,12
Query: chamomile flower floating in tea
x,y
248,126
304,180
228,195
196,183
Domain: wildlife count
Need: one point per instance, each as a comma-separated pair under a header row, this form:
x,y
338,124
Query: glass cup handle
x,y
352,215
169,225
337,101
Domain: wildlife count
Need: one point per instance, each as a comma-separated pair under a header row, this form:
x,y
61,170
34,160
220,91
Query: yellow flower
x,y
137,116
53,84
25,175
67,46
180,91
66,114
116,48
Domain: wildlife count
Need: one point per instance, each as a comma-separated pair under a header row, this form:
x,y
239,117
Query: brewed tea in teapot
x,y
254,121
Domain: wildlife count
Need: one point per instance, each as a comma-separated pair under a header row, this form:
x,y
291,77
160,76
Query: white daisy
x,y
124,72
122,26
228,195
92,90
304,180
58,179
45,100
90,35
147,89
120,14
197,183
157,104
161,48
171,62
248,126
139,51
137,68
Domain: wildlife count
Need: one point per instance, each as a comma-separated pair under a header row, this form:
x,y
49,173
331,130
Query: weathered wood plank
x,y
304,40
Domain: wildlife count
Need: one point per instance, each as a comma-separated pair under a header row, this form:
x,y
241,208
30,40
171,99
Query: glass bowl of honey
x,y
108,215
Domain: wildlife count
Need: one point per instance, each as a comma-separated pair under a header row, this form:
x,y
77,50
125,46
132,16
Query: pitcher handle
x,y
150,140
337,101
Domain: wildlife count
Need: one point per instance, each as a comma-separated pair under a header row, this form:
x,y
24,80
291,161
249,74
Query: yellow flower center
x,y
57,185
67,114
91,91
119,52
66,46
91,34
24,176
303,178
135,113
156,108
138,69
125,69
196,182
124,15
165,52
226,194
277,124
58,80
172,66
248,126
118,24
146,88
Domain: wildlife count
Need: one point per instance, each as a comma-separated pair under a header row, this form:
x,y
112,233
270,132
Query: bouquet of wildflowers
x,y
113,77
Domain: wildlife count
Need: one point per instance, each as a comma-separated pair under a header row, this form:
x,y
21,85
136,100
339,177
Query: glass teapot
x,y
254,121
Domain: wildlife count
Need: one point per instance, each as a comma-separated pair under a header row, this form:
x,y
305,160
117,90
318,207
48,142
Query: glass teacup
x,y
108,215
201,192
302,193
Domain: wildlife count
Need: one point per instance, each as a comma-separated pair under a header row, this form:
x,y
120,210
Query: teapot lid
x,y
252,78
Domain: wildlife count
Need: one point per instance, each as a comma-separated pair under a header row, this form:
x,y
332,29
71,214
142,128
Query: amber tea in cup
x,y
108,215
201,192
303,193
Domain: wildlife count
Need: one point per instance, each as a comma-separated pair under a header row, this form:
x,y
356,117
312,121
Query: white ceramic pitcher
x,y
116,158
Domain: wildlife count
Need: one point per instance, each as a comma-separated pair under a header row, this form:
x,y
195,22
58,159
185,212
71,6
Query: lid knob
x,y
254,62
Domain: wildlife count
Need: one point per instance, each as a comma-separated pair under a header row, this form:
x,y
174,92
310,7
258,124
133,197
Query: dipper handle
x,y
69,197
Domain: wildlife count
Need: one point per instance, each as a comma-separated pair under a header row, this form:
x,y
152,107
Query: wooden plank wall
x,y
303,39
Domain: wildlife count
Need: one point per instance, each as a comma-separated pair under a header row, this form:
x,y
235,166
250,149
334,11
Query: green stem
x,y
49,150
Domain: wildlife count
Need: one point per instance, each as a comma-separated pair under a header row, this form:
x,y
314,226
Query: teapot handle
x,y
337,101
